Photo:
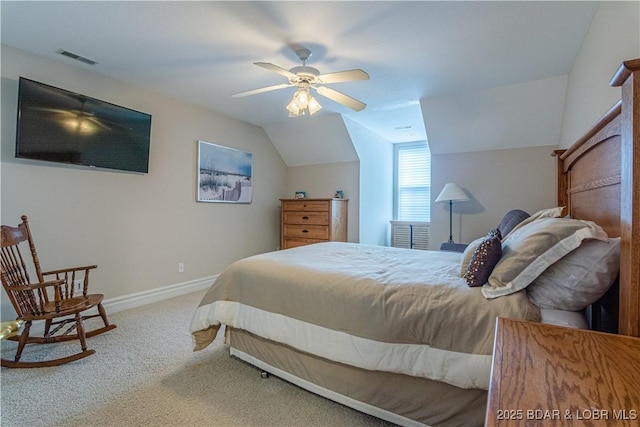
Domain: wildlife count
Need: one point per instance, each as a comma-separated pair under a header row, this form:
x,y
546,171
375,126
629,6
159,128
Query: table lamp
x,y
451,193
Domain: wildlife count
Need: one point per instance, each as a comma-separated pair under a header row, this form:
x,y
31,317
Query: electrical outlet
x,y
181,267
77,285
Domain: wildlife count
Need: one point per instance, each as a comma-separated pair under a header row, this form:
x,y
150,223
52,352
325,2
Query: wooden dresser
x,y
552,375
306,221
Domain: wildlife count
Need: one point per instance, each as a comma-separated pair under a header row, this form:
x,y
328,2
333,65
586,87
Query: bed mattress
x,y
372,307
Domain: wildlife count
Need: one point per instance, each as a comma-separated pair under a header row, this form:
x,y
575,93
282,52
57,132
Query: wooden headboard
x,y
599,180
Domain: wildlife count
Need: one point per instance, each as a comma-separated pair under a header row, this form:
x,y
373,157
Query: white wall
x,y
376,183
614,36
519,115
136,227
321,181
313,140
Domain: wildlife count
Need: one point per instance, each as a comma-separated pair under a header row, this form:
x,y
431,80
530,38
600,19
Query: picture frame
x,y
225,175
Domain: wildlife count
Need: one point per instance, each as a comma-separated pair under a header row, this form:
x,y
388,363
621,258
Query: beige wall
x,y
136,227
613,37
321,181
525,178
496,181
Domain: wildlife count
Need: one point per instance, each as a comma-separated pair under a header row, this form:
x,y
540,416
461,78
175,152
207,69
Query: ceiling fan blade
x,y
269,66
343,76
261,90
341,98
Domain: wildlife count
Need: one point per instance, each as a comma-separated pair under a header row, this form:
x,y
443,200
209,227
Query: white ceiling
x,y
202,52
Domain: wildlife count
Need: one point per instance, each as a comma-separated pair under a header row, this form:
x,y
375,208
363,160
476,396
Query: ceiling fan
x,y
305,78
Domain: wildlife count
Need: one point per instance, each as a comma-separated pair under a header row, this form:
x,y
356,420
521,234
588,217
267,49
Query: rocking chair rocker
x,y
54,301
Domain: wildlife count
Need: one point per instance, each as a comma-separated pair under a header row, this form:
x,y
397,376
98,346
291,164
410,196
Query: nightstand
x,y
552,375
453,247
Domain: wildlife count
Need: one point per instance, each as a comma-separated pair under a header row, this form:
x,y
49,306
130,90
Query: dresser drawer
x,y
306,231
305,205
300,217
294,243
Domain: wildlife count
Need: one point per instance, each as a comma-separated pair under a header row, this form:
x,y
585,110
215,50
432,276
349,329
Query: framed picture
x,y
224,174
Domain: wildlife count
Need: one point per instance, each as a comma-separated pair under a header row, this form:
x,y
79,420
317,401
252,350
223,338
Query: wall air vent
x,y
76,57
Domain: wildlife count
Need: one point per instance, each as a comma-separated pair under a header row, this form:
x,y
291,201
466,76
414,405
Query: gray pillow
x,y
511,219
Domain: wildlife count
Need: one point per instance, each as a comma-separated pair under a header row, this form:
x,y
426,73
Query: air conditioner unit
x,y
410,235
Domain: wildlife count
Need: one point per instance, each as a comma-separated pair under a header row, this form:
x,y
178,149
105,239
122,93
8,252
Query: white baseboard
x,y
138,299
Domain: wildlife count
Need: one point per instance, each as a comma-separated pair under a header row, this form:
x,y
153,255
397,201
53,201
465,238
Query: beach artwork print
x,y
224,174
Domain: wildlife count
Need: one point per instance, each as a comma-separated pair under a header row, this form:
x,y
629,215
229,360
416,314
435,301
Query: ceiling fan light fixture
x,y
301,99
293,109
303,102
313,106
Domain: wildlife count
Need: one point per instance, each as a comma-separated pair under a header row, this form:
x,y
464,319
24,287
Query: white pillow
x,y
544,213
578,279
532,248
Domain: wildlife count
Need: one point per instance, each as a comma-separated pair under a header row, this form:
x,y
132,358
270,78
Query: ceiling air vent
x,y
76,57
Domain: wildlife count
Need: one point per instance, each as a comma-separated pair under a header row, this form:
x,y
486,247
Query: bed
x,y
400,334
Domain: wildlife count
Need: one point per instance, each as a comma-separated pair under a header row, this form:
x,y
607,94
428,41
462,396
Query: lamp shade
x,y
452,193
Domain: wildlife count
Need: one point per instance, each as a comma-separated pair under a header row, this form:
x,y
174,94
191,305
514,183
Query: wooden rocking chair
x,y
54,301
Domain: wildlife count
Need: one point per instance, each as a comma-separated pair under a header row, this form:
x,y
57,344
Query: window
x,y
412,182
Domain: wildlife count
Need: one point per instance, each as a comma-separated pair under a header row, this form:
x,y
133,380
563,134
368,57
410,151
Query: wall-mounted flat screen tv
x,y
57,125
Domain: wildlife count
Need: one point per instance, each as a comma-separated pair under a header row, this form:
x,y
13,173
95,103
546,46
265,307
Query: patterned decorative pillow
x,y
484,258
468,253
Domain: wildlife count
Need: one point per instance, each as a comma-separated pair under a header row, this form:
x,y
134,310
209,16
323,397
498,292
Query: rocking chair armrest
x,y
34,286
68,270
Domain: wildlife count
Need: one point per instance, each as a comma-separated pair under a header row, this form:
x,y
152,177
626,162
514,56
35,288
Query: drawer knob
x,y
305,231
305,217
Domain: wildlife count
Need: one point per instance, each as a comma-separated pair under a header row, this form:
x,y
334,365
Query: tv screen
x,y
61,126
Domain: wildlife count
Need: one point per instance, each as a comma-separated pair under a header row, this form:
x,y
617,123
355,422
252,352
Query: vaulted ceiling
x,y
415,52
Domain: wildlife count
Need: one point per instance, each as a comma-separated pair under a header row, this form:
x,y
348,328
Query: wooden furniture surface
x,y
599,180
55,301
306,221
552,375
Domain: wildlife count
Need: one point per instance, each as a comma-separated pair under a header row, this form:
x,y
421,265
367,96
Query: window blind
x,y
413,182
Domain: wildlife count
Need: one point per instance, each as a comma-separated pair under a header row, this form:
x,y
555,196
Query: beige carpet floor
x,y
144,373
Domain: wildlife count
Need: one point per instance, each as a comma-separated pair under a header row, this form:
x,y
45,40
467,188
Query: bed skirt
x,y
398,398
